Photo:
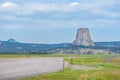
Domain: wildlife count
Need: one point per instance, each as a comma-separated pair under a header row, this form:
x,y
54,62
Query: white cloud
x,y
9,8
74,4
94,7
31,8
8,5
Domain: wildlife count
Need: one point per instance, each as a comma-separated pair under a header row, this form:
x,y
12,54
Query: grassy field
x,y
107,67
11,56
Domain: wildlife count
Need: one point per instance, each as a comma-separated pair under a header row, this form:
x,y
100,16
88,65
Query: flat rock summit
x,y
83,38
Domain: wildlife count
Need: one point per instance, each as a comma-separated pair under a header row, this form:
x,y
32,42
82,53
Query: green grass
x,y
84,61
9,56
68,74
12,56
109,70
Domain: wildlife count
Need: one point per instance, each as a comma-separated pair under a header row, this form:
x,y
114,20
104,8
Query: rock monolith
x,y
83,38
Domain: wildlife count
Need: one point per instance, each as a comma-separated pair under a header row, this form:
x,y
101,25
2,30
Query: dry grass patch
x,y
101,75
115,60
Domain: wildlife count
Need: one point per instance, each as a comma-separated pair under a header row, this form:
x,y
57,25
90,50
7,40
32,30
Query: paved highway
x,y
14,69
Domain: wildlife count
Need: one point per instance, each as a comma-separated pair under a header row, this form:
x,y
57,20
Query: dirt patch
x,y
77,67
80,67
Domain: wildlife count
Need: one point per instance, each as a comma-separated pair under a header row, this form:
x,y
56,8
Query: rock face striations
x,y
83,38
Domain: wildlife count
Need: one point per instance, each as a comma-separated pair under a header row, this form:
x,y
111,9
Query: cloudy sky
x,y
56,21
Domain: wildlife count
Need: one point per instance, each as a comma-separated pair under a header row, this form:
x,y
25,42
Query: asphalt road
x,y
15,69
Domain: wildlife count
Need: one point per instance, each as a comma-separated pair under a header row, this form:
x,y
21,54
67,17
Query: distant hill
x,y
12,41
83,44
12,46
109,44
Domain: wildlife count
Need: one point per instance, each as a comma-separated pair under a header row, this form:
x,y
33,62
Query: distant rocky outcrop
x,y
83,45
12,41
83,38
80,50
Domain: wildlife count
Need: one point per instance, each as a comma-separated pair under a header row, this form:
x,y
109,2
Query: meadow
x,y
39,55
106,67
13,56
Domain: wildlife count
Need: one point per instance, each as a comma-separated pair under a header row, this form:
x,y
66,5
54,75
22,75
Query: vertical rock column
x,y
83,38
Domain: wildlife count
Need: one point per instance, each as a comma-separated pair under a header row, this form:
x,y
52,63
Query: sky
x,y
56,21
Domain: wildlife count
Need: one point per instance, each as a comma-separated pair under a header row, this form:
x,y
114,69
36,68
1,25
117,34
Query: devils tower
x,y
83,38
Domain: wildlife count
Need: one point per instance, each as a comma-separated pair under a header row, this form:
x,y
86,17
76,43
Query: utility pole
x,y
63,65
71,60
